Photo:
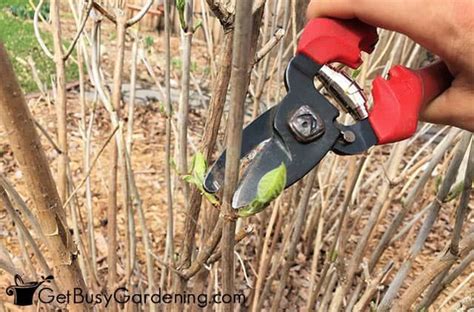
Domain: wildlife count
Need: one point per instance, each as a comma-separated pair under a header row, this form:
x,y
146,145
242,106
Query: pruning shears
x,y
302,128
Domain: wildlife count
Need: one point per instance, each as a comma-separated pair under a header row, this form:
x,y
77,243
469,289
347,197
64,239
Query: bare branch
x,y
48,137
442,280
257,5
38,33
239,85
117,155
435,206
300,218
436,157
205,252
222,10
104,12
169,247
135,19
19,223
60,99
267,47
91,167
79,31
372,288
463,203
432,269
26,145
240,236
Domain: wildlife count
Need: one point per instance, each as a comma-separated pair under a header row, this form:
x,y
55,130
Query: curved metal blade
x,y
258,131
270,156
297,161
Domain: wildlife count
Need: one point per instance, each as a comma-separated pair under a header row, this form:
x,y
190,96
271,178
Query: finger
x,y
393,15
436,78
397,15
453,107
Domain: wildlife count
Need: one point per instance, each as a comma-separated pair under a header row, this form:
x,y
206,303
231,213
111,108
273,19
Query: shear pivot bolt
x,y
306,125
349,136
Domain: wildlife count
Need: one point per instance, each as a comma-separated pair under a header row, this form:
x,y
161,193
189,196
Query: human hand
x,y
446,28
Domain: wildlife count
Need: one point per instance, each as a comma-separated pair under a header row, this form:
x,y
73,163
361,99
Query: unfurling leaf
x,y
253,208
197,25
455,191
198,166
272,184
210,197
180,4
191,179
269,187
196,177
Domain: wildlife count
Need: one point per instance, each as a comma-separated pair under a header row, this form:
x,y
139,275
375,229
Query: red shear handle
x,y
327,40
398,100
